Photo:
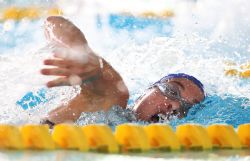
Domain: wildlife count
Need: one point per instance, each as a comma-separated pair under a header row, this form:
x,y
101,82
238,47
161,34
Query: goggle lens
x,y
172,92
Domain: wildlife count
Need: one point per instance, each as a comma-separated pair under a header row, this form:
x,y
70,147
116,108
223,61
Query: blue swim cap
x,y
183,75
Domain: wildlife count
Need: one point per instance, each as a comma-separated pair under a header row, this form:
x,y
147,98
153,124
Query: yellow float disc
x,y
18,13
232,69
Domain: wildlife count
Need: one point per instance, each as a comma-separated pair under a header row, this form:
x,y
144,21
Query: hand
x,y
71,71
73,62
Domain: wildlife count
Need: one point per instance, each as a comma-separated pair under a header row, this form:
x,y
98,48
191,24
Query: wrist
x,y
97,73
109,87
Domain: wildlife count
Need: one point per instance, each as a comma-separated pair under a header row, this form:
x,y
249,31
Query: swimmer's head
x,y
172,95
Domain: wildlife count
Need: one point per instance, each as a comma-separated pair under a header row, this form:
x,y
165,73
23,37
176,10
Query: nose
x,y
163,109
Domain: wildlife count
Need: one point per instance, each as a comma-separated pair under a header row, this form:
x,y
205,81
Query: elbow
x,y
123,94
124,98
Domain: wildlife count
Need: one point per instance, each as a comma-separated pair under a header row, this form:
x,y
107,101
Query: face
x,y
154,102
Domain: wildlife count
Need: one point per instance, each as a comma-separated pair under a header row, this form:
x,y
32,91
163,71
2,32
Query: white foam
x,y
204,37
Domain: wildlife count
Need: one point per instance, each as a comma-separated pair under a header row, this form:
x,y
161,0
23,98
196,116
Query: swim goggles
x,y
172,92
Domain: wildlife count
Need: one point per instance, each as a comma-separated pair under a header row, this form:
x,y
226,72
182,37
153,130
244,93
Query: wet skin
x,y
153,102
99,94
109,89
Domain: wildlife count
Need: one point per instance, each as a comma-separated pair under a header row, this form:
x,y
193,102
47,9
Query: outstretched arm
x,y
74,62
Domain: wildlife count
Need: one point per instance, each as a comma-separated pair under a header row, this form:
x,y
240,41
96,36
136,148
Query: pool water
x,y
145,50
62,155
195,41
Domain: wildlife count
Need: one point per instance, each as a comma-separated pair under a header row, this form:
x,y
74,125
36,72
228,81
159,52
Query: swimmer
x,y
102,86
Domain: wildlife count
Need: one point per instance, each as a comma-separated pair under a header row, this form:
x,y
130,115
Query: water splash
x,y
115,116
199,45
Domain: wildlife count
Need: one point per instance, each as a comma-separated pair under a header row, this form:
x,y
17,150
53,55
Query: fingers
x,y
62,81
59,63
56,71
61,53
64,63
67,68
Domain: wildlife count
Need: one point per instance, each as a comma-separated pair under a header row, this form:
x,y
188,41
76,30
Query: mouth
x,y
155,118
163,117
159,117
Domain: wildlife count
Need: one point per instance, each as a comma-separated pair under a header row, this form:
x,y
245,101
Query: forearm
x,y
107,90
102,86
109,85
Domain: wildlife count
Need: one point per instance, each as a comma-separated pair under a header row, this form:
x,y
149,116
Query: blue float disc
x,y
32,99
